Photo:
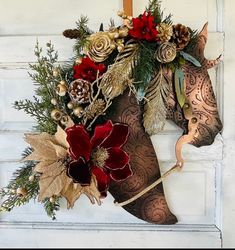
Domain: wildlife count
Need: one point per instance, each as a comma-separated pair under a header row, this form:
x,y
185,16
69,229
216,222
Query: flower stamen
x,y
99,156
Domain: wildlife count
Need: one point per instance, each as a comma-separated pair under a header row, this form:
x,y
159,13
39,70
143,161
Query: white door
x,y
201,195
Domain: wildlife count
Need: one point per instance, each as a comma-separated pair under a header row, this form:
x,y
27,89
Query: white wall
x,y
21,23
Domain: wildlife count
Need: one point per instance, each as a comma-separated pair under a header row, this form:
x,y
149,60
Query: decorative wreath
x,y
95,114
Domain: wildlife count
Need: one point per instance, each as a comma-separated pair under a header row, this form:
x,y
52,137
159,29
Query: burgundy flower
x,y
101,155
79,172
144,28
87,70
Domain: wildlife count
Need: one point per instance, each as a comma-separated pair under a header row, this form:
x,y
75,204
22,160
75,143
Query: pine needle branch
x,y
84,32
46,83
154,7
20,179
146,65
51,207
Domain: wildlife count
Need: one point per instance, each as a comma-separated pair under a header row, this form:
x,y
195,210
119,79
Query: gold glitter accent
x,y
96,108
99,156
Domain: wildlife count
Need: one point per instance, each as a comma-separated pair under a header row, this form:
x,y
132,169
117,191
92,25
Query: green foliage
x,y
43,76
190,58
154,7
84,32
51,207
40,107
193,41
179,87
146,64
20,179
168,19
178,63
37,109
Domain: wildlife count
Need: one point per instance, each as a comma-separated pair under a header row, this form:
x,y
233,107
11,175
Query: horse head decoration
x,y
101,110
199,119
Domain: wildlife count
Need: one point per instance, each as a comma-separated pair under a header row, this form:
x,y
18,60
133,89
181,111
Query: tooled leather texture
x,y
200,96
152,207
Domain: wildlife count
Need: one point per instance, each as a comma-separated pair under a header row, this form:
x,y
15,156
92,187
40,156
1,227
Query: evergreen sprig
x,y
20,179
37,109
40,108
154,7
146,64
193,41
84,32
43,75
51,207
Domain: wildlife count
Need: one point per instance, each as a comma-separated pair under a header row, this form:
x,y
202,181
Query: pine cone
x,y
181,36
96,108
165,32
72,33
79,91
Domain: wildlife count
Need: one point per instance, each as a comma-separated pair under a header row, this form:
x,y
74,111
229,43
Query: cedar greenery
x,y
21,179
40,107
154,7
84,33
145,67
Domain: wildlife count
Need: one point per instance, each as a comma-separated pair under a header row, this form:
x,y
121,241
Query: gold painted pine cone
x,y
166,52
95,108
79,91
165,32
100,46
181,36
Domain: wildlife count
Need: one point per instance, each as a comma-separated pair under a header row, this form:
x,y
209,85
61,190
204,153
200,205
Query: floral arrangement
x,y
76,149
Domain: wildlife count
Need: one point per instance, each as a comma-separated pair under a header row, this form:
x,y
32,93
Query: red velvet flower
x,y
87,70
144,28
100,155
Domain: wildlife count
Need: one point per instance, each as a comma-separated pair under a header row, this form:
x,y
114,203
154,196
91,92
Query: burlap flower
x,y
100,46
166,52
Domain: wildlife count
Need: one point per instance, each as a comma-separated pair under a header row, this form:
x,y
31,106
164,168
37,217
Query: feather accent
x,y
179,87
190,58
118,76
155,108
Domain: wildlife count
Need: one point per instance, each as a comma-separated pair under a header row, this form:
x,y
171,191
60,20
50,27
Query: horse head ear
x,y
204,31
201,42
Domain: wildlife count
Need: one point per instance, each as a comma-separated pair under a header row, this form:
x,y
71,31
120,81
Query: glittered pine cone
x,y
181,36
79,91
165,32
100,46
166,52
96,108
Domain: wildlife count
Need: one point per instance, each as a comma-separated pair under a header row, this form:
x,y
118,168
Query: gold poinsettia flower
x,y
52,152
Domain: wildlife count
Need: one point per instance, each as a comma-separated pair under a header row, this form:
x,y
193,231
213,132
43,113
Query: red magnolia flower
x,y
144,28
87,70
100,155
